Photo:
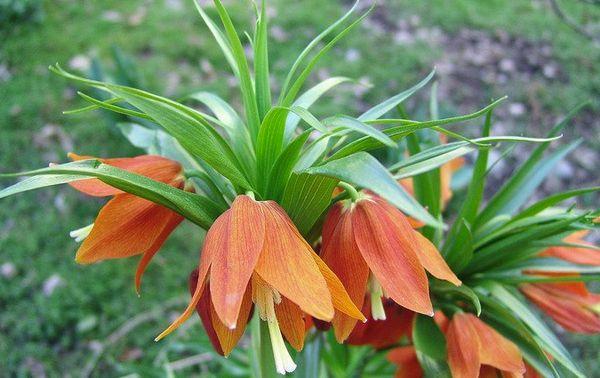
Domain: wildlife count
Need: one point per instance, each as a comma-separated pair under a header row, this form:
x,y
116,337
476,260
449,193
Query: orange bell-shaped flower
x,y
472,343
372,247
253,253
575,254
569,304
128,225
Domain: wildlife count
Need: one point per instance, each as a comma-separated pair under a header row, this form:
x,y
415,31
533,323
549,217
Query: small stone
x,y
5,74
175,5
8,270
550,70
51,284
112,16
564,170
278,33
80,63
516,109
507,65
352,55
137,17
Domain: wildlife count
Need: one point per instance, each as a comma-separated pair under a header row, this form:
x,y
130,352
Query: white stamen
x,y
377,310
283,361
81,233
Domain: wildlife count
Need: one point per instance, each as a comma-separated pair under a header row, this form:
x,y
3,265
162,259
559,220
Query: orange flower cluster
x,y
371,259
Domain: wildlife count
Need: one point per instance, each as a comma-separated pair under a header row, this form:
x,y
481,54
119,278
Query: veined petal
x,y
569,308
222,338
495,350
446,172
388,246
155,167
576,255
433,261
203,307
228,336
286,263
215,237
126,226
331,221
339,296
172,221
237,258
463,348
382,333
341,254
291,323
406,359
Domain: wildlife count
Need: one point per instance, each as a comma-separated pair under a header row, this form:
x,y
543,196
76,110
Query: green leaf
x,y
295,88
545,336
220,37
309,360
517,247
243,73
349,123
505,322
306,197
197,209
401,128
426,188
446,288
307,99
524,181
282,169
553,200
365,171
430,345
261,65
304,54
456,254
391,103
190,130
269,142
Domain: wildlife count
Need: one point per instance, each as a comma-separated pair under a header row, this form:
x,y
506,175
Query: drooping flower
x,y
383,333
473,344
253,253
128,225
405,358
573,254
570,304
372,247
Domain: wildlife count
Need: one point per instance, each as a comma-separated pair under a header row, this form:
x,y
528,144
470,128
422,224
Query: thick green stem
x,y
352,192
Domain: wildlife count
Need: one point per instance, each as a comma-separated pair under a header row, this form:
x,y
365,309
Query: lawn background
x,y
54,313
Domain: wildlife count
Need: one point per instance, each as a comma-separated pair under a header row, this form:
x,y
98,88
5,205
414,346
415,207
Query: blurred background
x,y
58,318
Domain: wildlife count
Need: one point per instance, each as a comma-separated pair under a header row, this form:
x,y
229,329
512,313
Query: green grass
x,y
55,331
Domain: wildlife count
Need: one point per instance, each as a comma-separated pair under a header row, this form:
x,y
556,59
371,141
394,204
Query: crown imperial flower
x,y
371,246
253,253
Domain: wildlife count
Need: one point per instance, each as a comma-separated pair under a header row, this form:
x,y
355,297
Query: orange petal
x,y
495,350
286,263
229,337
291,323
237,257
389,248
568,308
433,261
155,167
171,223
127,225
203,308
576,255
406,359
213,241
446,172
341,254
382,333
463,347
